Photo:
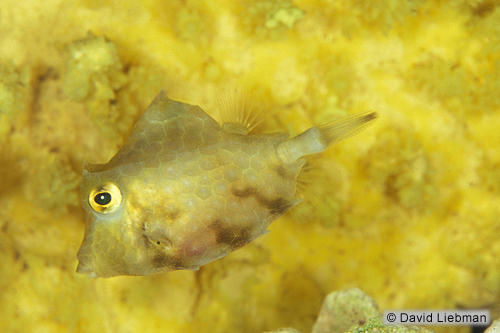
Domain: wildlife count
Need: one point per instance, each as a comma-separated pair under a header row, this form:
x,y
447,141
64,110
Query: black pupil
x,y
103,198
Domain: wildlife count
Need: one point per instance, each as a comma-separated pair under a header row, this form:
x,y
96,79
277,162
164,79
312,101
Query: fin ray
x,y
237,112
346,127
317,139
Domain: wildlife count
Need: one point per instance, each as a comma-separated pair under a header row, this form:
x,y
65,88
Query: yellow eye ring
x,y
105,198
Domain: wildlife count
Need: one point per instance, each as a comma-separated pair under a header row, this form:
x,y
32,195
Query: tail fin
x,y
344,128
318,139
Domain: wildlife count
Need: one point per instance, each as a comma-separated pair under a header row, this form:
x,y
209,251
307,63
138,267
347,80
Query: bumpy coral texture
x,y
407,211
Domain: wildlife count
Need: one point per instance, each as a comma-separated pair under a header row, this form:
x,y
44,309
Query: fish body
x,y
184,191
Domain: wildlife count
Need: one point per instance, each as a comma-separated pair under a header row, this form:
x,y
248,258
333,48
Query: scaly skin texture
x,y
191,193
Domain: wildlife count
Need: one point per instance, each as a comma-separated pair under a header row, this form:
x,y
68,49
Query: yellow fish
x,y
183,191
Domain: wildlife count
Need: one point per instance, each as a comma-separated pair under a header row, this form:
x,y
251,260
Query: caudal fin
x,y
346,127
317,139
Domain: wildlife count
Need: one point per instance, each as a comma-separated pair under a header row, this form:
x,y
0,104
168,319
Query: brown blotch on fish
x,y
282,173
243,193
162,260
235,237
276,206
173,215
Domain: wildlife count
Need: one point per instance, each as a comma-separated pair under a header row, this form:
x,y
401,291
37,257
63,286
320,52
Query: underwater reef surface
x,y
408,210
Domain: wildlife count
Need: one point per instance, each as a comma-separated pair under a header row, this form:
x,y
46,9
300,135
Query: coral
x,y
93,70
353,18
271,18
14,97
407,210
284,330
53,183
494,327
398,163
344,309
467,80
352,311
474,231
93,75
375,325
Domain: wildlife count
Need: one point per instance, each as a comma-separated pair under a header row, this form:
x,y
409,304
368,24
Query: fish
x,y
184,191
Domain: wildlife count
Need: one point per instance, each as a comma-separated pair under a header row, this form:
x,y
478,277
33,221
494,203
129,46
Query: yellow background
x,y
408,210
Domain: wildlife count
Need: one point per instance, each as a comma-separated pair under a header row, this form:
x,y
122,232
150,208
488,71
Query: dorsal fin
x,y
237,112
167,127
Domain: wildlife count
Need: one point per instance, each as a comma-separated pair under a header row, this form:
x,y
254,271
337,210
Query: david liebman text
x,y
438,317
443,318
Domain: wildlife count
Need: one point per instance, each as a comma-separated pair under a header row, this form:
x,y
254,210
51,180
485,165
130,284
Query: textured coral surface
x,y
408,210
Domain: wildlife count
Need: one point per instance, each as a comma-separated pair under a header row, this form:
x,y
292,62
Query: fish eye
x,y
105,198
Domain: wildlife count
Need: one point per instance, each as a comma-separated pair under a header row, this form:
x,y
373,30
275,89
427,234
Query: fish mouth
x,y
85,270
